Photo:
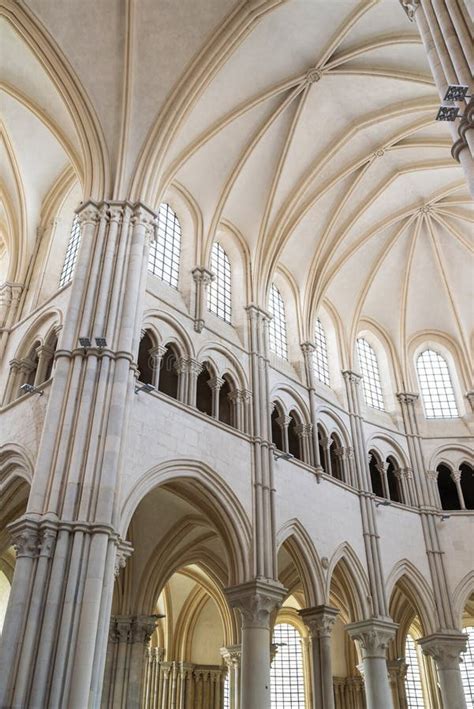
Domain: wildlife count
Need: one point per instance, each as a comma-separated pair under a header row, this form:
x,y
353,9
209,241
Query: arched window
x,y
375,476
286,675
219,294
334,453
71,253
413,686
467,485
447,489
225,404
277,435
145,364
294,444
467,667
163,260
369,368
321,363
204,391
436,386
168,381
393,481
277,326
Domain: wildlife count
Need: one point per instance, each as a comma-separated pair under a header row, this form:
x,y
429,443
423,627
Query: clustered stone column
x,y
349,692
256,600
54,639
181,685
127,659
308,349
397,671
319,620
448,44
10,295
373,637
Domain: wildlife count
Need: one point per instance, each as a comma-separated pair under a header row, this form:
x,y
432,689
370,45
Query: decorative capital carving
x,y
304,430
397,669
407,398
124,551
445,648
319,620
283,421
88,213
410,7
470,398
373,636
258,314
351,376
308,348
256,601
202,275
215,383
25,541
232,655
432,474
133,628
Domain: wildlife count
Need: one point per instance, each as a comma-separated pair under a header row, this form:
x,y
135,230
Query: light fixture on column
x,y
284,456
30,389
147,388
448,113
100,342
85,343
456,92
445,517
383,503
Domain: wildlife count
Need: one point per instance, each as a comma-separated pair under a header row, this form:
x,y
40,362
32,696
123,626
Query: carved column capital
x,y
319,620
215,383
407,398
304,430
351,376
256,600
308,348
445,648
470,398
432,474
373,636
202,275
283,421
25,541
254,312
397,669
232,655
124,551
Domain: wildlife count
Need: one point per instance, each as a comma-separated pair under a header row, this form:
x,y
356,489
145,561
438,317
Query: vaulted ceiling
x,y
306,125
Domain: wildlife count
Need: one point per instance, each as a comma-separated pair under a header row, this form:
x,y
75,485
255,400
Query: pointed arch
x,y
306,559
461,595
413,584
345,562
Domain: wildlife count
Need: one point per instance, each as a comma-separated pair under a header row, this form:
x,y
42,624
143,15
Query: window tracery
x,y
219,292
287,678
163,259
320,355
436,386
71,253
413,686
277,327
369,368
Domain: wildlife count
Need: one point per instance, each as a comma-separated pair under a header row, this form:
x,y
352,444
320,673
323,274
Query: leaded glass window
x,y
321,363
71,253
436,386
467,668
286,675
163,259
277,326
413,685
369,368
219,293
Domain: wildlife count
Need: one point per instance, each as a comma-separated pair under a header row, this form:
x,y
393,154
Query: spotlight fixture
x,y
445,517
101,342
85,343
30,389
383,503
148,388
456,92
285,456
448,113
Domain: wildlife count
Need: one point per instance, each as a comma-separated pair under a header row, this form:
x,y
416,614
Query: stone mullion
x,y
326,445
456,477
382,469
366,498
304,433
13,383
202,278
284,422
215,384
308,351
45,354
